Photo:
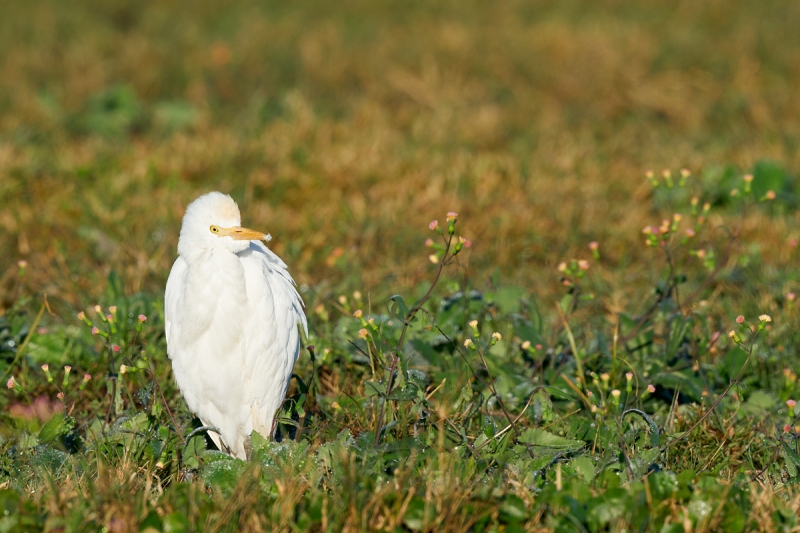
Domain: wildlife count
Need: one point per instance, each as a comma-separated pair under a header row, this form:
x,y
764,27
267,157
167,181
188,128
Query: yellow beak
x,y
243,234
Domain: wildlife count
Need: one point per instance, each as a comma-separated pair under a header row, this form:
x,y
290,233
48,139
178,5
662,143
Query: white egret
x,y
231,313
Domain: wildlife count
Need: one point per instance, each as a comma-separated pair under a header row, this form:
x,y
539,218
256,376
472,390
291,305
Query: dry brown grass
x,y
342,129
535,123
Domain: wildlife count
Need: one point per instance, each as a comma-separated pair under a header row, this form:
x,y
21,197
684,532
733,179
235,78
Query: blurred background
x,y
343,128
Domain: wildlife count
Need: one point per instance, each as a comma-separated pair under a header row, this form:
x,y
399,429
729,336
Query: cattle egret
x,y
231,316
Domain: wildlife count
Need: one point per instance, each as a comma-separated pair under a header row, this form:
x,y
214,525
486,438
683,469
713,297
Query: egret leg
x,y
212,432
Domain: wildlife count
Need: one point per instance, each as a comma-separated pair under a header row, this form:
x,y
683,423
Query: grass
x,y
343,130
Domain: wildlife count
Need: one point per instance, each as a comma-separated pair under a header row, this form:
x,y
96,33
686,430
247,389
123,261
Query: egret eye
x,y
214,229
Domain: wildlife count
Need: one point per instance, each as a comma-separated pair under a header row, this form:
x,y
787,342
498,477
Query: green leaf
x,y
507,299
55,427
48,348
584,466
258,441
48,458
152,521
759,403
399,309
678,334
416,516
648,456
655,438
540,437
223,472
374,388
405,394
792,460
663,485
176,522
566,303
417,377
512,510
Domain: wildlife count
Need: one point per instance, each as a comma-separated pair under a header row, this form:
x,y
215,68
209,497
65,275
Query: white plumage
x,y
231,314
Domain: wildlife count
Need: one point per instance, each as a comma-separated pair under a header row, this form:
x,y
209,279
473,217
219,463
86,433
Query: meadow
x,y
598,333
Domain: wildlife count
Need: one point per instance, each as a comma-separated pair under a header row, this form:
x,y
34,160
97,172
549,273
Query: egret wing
x,y
271,337
205,306
171,297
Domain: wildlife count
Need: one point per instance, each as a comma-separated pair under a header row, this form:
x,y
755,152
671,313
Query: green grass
x,y
343,130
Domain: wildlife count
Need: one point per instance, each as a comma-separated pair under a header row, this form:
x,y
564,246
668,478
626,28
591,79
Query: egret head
x,y
212,222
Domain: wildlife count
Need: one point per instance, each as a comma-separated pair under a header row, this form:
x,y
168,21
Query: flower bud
x,y
46,370
615,394
452,217
667,175
460,244
594,246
